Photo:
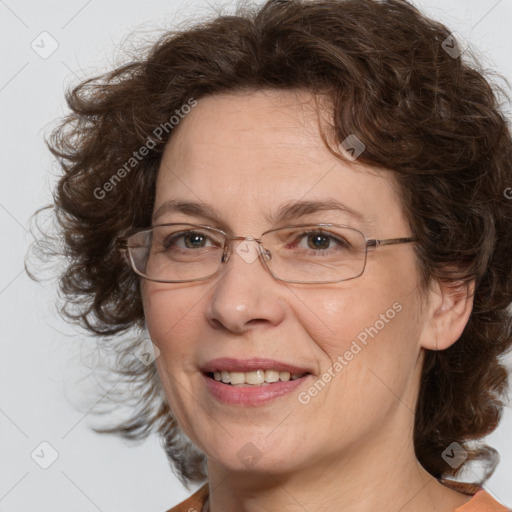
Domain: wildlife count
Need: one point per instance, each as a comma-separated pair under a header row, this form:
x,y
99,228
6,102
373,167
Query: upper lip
x,y
230,364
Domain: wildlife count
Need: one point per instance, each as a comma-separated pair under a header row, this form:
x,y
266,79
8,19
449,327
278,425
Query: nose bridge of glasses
x,y
246,250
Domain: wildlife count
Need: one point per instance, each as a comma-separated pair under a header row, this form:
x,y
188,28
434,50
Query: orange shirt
x,y
481,501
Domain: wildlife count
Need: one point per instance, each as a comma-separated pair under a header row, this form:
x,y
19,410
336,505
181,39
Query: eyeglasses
x,y
300,253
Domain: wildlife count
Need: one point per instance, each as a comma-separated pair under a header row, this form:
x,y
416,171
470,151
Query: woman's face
x,y
247,155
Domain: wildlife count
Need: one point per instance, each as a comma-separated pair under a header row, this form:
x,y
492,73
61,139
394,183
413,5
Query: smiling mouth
x,y
254,378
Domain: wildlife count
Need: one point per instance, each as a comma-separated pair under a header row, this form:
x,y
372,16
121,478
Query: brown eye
x,y
186,240
322,241
318,241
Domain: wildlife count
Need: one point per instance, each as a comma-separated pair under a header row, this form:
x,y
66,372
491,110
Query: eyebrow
x,y
286,212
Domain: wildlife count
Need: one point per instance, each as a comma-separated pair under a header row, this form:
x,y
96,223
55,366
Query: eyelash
x,y
169,241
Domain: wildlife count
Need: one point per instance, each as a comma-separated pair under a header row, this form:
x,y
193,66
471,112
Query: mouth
x,y
254,378
252,382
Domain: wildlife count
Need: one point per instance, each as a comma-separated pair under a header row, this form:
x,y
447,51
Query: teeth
x,y
254,378
284,376
236,377
271,376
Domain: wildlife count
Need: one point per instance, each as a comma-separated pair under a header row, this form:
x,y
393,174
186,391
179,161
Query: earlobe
x,y
450,306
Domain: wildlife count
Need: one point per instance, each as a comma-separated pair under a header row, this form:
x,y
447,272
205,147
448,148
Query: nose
x,y
245,294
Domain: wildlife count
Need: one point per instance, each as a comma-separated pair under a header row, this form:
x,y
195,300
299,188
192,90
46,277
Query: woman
x,y
303,207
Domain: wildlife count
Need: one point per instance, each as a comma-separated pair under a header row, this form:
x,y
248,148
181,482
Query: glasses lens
x,y
176,253
315,253
308,254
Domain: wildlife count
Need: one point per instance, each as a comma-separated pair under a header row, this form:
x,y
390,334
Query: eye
x,y
322,241
190,239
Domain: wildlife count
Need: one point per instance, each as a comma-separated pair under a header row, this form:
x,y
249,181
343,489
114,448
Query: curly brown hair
x,y
426,114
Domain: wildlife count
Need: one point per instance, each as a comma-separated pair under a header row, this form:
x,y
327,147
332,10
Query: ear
x,y
447,311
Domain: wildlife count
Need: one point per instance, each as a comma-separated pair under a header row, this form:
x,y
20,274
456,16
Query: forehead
x,y
277,127
249,153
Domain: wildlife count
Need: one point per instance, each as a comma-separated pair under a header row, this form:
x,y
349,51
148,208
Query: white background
x,y
40,361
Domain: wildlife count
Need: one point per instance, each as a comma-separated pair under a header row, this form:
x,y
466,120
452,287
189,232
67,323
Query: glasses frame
x,y
264,254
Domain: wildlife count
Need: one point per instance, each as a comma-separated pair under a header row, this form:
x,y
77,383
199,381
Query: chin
x,y
248,455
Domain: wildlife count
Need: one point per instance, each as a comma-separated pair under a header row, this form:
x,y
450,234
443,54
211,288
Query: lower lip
x,y
251,395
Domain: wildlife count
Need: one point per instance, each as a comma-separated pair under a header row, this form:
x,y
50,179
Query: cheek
x,y
369,348
363,335
171,321
336,317
170,316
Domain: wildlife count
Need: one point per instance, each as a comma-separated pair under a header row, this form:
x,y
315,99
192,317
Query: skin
x,y
350,448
